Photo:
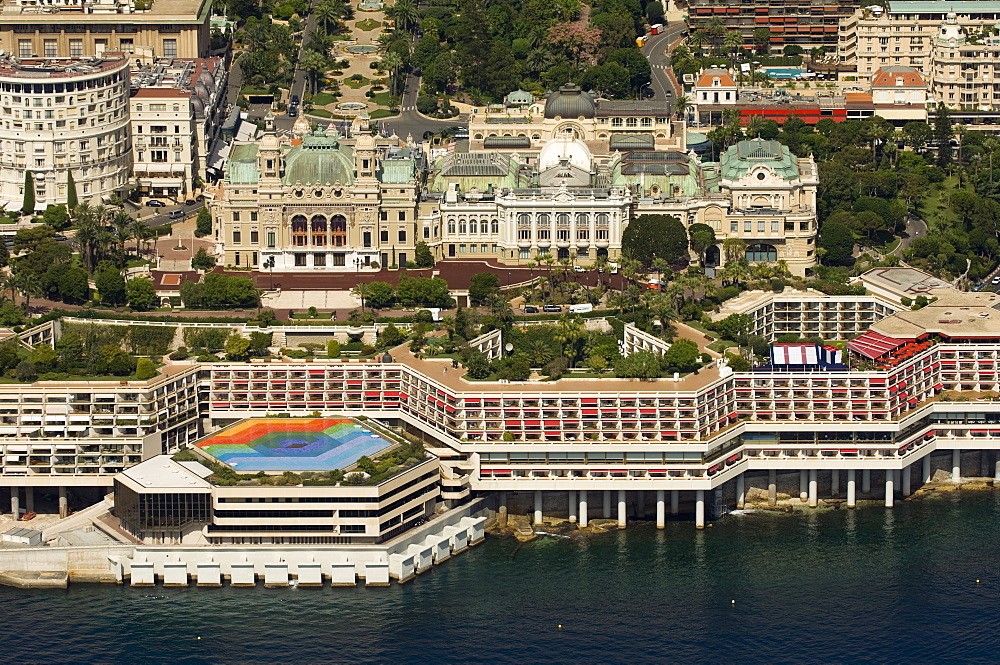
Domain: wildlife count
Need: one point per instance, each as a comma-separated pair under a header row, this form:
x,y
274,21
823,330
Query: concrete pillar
x,y
538,507
835,483
63,504
925,467
29,499
572,507
852,498
583,507
622,510
866,481
803,485
607,504
996,471
15,504
741,492
502,511
956,466
772,487
813,489
661,510
985,468
889,498
675,502
699,509
906,480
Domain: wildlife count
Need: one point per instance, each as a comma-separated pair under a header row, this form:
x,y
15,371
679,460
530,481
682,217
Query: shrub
x,y
333,348
144,369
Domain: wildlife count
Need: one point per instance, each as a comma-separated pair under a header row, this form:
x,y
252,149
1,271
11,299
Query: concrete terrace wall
x,y
490,344
638,340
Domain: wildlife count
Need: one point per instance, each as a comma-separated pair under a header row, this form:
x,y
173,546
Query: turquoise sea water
x,y
871,585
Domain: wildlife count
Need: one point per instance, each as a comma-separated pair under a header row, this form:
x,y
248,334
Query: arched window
x,y
647,122
544,219
463,227
762,253
451,226
562,219
318,223
299,224
495,226
631,122
582,219
523,219
484,226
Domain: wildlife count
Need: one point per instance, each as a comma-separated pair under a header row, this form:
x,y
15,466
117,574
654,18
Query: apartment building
x,y
951,45
85,28
805,23
64,115
177,108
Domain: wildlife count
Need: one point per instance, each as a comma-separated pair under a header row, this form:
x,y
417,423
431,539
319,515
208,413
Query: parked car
x,y
156,204
293,111
190,202
530,309
579,269
995,280
551,308
295,100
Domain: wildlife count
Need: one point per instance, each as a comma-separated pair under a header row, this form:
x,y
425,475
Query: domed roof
x,y
320,159
570,101
565,148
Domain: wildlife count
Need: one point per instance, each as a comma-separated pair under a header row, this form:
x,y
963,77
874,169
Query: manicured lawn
x,y
323,98
382,113
721,345
305,315
322,113
249,90
381,98
367,24
355,82
934,209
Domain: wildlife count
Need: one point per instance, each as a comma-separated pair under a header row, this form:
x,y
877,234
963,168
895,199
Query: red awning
x,y
913,400
874,345
532,423
512,423
374,393
589,412
552,423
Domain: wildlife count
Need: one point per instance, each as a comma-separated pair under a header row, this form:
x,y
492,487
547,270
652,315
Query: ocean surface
x,y
837,586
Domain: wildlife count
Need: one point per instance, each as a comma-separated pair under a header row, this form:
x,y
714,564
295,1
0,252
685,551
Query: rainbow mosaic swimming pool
x,y
274,444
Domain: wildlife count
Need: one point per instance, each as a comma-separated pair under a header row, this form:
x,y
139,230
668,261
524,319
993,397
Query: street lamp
x,y
269,264
648,84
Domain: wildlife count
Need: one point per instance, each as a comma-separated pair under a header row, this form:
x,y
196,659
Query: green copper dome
x,y
319,159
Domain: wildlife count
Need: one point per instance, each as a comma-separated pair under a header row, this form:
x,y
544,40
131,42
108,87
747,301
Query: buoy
x,y
560,625
199,637
734,602
977,581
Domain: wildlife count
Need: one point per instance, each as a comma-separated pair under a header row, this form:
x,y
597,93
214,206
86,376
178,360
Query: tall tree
x,y
943,134
28,207
71,198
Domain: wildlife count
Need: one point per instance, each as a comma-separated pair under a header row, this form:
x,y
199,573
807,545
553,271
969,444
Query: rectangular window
x,y
254,237
366,239
748,227
472,248
524,253
237,258
383,215
383,235
484,248
51,48
774,225
544,234
339,259
24,48
169,48
254,258
127,45
427,232
760,226
319,260
236,216
524,234
602,234
401,216
300,260
402,236
253,216
461,249
237,238
803,226
75,48
734,227
270,238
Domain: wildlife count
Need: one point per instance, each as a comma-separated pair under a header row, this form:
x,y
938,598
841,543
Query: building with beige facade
x,y
64,115
952,45
319,202
176,109
85,28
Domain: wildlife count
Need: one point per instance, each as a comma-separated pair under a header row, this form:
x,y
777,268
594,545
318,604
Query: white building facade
x,y
59,116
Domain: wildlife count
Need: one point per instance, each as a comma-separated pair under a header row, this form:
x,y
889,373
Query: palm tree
x,y
121,224
361,292
499,307
570,331
681,106
139,230
86,236
8,283
313,64
698,39
755,125
405,14
991,144
326,15
733,41
391,62
716,31
537,59
29,284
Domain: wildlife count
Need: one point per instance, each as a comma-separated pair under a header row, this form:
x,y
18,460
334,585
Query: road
x,y
409,122
916,227
298,87
655,51
160,216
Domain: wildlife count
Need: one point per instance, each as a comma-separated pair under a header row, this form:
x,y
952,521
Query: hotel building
x,y
59,116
